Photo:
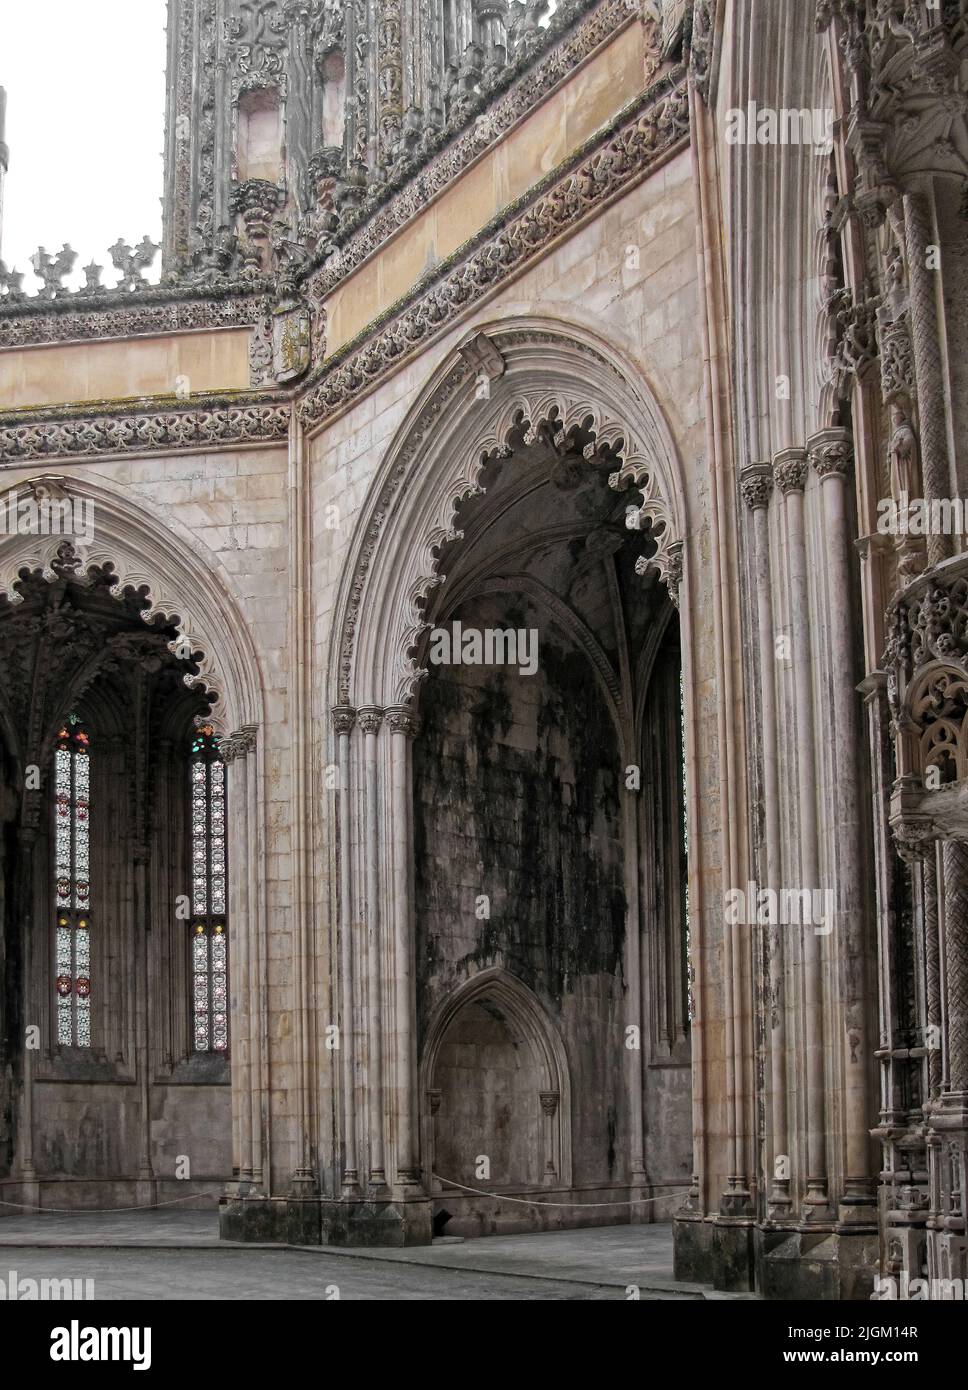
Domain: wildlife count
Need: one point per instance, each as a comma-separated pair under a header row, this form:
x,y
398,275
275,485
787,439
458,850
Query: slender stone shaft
x,y
955,859
790,471
757,486
932,414
343,720
370,721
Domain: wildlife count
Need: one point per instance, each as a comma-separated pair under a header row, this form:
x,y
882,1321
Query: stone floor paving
x,y
178,1255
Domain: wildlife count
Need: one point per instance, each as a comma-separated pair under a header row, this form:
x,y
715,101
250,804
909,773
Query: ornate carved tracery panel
x,y
72,888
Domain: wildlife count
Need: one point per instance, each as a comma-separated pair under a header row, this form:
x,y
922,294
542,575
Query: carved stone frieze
x,y
420,178
84,435
652,132
81,317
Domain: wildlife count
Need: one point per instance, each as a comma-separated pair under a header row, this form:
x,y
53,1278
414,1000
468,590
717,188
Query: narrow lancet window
x,y
72,882
209,935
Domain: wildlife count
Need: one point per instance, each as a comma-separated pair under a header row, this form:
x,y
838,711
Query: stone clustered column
x,y
246,969
790,475
387,1003
756,482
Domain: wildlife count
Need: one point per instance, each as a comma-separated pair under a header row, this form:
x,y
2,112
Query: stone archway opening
x,y
486,1101
547,779
507,682
96,956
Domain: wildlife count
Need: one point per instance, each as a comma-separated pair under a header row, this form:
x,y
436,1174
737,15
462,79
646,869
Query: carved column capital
x,y
914,837
370,718
549,1102
790,470
756,485
238,745
401,719
832,454
344,717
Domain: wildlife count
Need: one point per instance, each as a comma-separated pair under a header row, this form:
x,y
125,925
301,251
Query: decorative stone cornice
x,y
78,434
160,309
344,717
575,32
756,485
593,177
790,470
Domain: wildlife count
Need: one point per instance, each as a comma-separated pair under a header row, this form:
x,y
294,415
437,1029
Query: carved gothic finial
x,y
92,279
132,263
10,283
52,269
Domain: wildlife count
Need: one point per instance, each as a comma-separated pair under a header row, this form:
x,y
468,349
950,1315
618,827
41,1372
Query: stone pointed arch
x,y
162,562
159,560
531,1027
557,380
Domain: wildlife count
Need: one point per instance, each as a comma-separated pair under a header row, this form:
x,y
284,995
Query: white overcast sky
x,y
85,84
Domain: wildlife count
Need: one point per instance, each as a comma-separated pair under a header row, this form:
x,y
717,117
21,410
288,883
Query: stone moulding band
x,y
421,185
652,130
575,35
87,435
132,314
658,126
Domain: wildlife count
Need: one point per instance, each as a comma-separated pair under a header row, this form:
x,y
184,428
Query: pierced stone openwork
x,y
72,886
573,429
209,894
940,713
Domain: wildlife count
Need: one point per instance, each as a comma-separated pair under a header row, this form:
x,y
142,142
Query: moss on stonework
x,y
538,832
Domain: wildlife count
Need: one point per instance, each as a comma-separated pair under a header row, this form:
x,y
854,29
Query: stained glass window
x,y
72,883
209,885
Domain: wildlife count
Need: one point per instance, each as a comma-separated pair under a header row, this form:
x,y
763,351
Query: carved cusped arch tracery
x,y
52,558
168,571
938,715
566,405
